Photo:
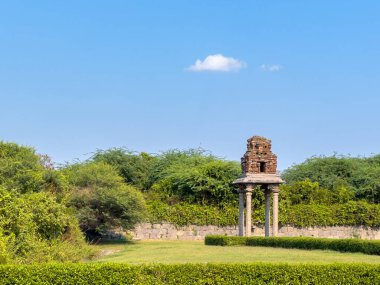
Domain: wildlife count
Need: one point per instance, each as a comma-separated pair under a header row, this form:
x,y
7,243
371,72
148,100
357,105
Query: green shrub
x,y
133,167
102,200
194,176
25,171
359,175
351,213
4,250
259,273
343,245
182,214
225,240
35,228
20,168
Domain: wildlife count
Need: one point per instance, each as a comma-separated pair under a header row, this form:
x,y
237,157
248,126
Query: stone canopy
x,y
259,179
259,164
259,170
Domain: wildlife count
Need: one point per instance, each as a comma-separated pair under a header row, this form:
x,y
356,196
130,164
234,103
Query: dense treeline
x,y
193,176
35,224
196,176
185,187
357,176
44,211
47,212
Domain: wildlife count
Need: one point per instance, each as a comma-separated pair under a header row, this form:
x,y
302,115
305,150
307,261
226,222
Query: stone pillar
x,y
241,213
248,222
267,212
275,191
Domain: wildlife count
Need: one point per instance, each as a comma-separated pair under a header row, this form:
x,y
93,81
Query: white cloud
x,y
271,67
217,62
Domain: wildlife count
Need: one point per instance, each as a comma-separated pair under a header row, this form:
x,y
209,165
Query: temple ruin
x,y
259,172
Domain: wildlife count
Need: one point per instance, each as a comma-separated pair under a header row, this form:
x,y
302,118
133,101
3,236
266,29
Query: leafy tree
x,y
329,172
366,179
92,175
23,170
358,175
55,182
134,168
35,228
102,200
308,192
194,177
20,168
171,161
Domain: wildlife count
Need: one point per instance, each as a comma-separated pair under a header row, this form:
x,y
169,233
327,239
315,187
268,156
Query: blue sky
x,y
76,76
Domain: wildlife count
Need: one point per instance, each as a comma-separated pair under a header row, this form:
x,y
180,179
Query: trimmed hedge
x,y
255,273
343,245
352,213
183,214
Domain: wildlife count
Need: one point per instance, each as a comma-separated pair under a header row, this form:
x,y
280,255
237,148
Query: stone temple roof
x,y
259,178
259,163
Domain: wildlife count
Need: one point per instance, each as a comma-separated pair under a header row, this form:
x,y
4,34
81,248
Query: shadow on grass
x,y
113,242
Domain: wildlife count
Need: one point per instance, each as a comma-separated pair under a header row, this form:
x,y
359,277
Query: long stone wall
x,y
168,231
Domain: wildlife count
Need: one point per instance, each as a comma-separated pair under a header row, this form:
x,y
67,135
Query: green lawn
x,y
197,252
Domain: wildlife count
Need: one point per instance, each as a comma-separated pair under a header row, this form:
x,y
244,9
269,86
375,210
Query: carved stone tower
x,y
259,168
259,157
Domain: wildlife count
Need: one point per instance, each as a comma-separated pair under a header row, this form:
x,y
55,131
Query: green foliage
x,y
101,199
5,255
181,187
20,168
134,168
351,213
343,245
55,182
308,192
182,214
360,175
320,191
300,215
254,273
222,240
35,228
168,162
194,177
305,203
92,175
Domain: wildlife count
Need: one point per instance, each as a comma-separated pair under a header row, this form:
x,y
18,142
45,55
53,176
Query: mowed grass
x,y
196,252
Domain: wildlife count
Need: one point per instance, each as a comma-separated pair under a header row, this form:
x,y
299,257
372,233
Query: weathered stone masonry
x,y
259,171
167,231
259,157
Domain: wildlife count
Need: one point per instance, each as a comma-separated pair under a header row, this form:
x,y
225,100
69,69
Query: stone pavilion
x,y
259,172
